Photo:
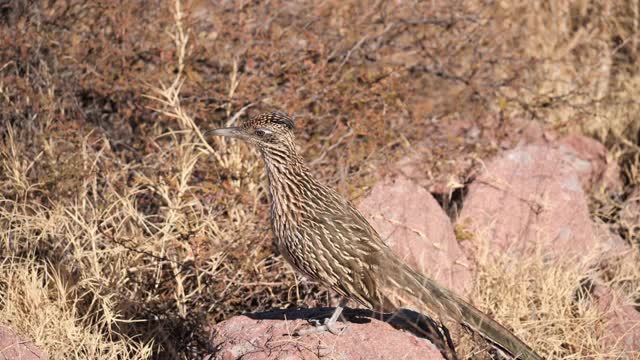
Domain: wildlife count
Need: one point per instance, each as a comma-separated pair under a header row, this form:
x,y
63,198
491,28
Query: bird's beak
x,y
228,132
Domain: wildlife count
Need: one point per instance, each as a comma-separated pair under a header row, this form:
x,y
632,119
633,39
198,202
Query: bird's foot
x,y
327,325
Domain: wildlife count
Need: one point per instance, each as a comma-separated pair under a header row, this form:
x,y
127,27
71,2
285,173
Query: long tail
x,y
445,302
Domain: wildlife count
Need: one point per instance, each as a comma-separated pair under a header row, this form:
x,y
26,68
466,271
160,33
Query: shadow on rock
x,y
410,321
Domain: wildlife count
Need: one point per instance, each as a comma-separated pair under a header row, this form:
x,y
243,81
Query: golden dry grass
x,y
546,308
122,234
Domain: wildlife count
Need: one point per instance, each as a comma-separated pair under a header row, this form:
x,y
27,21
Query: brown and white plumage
x,y
325,238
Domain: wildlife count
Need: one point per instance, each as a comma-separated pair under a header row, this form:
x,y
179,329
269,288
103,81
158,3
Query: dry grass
x,y
548,308
122,233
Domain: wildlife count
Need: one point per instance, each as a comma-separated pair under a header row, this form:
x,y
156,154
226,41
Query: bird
x,y
326,239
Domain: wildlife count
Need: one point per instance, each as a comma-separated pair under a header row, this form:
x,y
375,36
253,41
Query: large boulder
x,y
414,225
591,161
589,158
15,348
531,198
270,335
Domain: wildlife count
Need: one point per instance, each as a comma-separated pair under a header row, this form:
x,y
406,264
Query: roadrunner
x,y
325,238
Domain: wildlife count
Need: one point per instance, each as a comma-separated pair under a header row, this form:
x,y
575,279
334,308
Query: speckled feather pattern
x,y
326,238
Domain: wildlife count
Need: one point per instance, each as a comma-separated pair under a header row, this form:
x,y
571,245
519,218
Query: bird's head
x,y
271,133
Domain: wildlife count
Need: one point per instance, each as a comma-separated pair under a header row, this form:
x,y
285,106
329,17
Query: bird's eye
x,y
260,132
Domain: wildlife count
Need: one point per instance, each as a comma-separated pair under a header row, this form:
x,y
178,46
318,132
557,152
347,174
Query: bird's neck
x,y
290,183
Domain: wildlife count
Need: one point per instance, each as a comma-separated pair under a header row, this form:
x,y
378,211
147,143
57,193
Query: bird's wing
x,y
350,255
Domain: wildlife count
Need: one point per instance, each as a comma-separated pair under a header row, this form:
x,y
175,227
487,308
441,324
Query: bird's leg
x,y
329,323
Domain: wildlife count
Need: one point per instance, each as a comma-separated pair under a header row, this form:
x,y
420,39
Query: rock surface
x,y
589,159
269,336
15,348
530,198
414,225
587,156
623,321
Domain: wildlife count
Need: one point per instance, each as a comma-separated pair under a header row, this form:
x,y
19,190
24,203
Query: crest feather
x,y
277,117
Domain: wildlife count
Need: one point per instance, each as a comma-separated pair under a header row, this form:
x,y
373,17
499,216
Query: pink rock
x,y
266,336
591,161
412,223
590,158
531,197
14,348
623,321
415,168
532,132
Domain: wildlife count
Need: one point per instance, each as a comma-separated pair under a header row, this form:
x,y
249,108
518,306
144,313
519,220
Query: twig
x,y
346,58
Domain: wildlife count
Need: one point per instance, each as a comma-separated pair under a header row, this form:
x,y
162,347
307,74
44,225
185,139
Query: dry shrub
x,y
36,301
546,305
132,234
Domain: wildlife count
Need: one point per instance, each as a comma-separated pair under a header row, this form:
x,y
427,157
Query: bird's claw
x,y
334,329
327,325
